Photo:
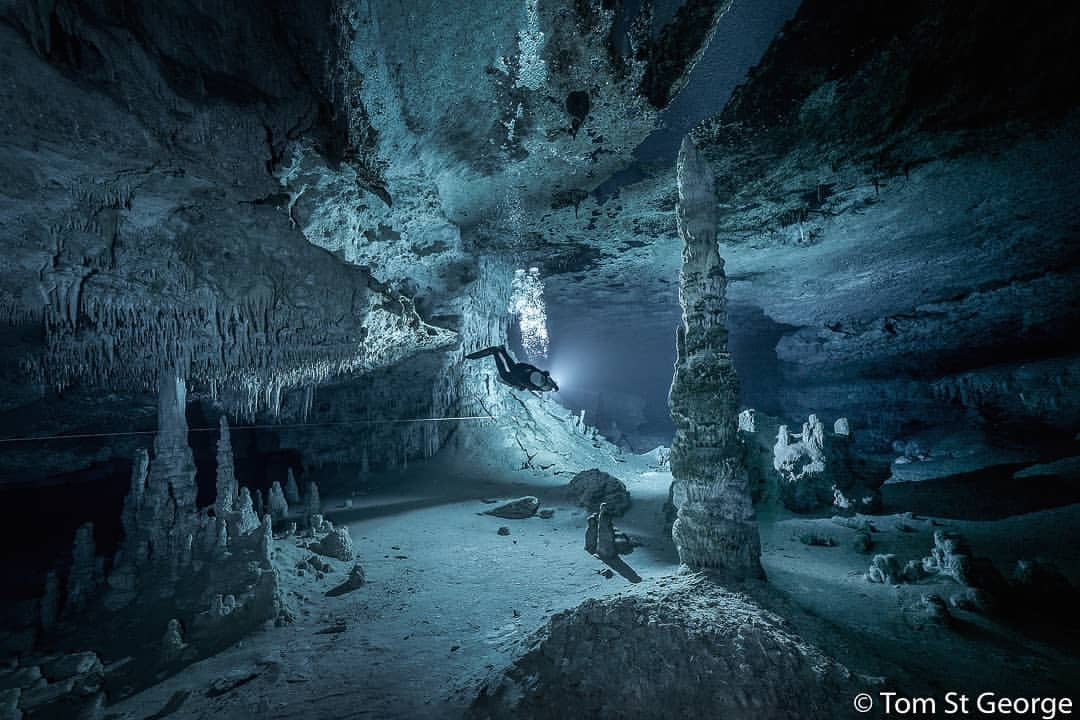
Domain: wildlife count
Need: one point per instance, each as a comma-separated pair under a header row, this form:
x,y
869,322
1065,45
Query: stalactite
x,y
716,528
260,345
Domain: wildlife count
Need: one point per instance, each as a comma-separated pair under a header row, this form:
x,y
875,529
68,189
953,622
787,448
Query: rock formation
x,y
227,488
172,642
748,420
605,533
814,470
174,555
524,507
276,505
56,686
591,488
591,525
336,544
292,490
981,585
312,502
885,569
244,519
85,575
715,527
714,650
952,558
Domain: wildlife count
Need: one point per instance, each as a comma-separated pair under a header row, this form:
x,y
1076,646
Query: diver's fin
x,y
482,353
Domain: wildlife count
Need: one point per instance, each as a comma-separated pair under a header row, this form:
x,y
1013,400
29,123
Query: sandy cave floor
x,y
447,599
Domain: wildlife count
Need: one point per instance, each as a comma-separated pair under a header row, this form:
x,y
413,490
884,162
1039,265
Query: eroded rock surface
x,y
643,654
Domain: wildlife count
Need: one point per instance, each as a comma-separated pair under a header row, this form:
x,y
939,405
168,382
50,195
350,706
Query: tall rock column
x,y
715,528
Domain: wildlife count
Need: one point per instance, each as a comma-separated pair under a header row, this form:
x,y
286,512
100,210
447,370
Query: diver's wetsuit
x,y
522,376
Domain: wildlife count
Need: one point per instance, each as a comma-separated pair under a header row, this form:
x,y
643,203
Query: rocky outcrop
x,y
643,654
592,488
55,686
715,527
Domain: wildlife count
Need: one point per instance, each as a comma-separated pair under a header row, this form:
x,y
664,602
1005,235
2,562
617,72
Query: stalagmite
x,y
140,468
226,474
246,519
266,540
312,503
605,533
276,505
83,579
172,642
748,421
716,528
292,490
174,464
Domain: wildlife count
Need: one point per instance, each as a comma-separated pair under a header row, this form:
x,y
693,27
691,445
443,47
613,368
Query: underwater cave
x,y
539,359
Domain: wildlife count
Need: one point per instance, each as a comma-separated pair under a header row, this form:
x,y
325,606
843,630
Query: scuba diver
x,y
522,376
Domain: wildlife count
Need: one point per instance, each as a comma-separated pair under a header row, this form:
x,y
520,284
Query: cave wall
x,y
918,163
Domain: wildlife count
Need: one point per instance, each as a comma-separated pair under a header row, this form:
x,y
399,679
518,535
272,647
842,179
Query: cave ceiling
x,y
273,196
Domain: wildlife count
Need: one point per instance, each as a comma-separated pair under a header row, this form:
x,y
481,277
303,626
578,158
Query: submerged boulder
x,y
592,488
646,652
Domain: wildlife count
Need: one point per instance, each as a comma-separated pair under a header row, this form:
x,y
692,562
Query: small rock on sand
x,y
519,509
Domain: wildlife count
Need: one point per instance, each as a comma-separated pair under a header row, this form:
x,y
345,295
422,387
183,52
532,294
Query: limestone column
x,y
715,528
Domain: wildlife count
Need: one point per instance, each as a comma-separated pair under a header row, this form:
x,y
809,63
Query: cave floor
x,y
448,599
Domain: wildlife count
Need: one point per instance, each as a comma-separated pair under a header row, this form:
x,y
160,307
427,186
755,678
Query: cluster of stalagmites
x,y
189,580
979,585
715,527
167,538
814,469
